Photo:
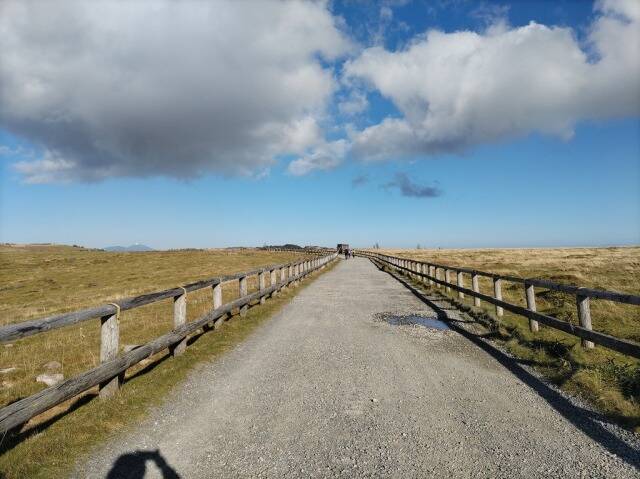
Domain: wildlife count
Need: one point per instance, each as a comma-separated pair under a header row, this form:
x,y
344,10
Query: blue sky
x,y
504,133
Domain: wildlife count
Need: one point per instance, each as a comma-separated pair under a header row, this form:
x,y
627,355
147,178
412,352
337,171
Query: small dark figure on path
x,y
133,466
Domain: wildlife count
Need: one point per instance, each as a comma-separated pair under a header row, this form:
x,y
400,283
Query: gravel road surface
x,y
351,380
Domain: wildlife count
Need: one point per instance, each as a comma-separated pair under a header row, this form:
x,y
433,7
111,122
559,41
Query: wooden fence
x,y
432,273
108,375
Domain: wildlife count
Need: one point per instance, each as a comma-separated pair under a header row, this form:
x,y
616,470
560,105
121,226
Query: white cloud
x,y
164,88
456,90
356,102
47,169
325,156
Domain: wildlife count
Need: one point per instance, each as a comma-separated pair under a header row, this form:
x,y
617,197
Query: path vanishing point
x,y
335,385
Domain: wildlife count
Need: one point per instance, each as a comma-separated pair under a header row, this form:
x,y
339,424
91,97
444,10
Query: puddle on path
x,y
411,319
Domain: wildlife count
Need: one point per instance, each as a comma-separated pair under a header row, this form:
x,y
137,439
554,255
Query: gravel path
x,y
342,382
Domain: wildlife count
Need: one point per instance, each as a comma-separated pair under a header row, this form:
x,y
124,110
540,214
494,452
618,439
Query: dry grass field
x,y
38,281
43,280
608,380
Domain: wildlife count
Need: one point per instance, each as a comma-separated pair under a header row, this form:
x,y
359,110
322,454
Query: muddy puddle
x,y
412,320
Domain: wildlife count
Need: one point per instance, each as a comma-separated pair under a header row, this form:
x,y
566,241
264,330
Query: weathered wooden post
x,y
262,284
217,302
439,276
460,283
179,319
283,276
242,291
290,274
497,293
584,316
109,343
531,305
476,288
447,279
432,274
272,281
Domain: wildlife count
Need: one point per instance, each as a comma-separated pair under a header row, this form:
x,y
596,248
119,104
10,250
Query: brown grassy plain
x,y
39,281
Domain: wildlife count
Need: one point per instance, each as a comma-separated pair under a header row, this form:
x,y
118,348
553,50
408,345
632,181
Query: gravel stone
x,y
50,379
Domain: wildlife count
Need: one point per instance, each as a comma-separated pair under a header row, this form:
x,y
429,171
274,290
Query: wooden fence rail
x,y
113,365
429,272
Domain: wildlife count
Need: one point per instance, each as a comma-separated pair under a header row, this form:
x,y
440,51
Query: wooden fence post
x,y
179,318
584,316
262,285
217,302
460,282
531,305
432,274
272,281
476,289
109,344
497,293
283,275
242,291
447,279
438,277
289,274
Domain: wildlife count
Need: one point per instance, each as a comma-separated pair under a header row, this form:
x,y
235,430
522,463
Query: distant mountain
x,y
132,248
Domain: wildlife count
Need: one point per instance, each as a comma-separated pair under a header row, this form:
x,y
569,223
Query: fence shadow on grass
x,y
589,422
15,437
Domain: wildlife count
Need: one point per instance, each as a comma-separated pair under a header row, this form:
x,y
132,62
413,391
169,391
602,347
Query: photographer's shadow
x,y
133,465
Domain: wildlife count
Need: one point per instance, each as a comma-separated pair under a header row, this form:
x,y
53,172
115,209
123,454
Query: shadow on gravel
x,y
133,465
589,422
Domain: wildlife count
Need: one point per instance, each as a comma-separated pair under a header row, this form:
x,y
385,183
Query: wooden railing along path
x,y
108,375
431,273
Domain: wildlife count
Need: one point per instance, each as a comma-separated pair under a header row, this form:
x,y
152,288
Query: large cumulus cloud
x,y
142,88
457,90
